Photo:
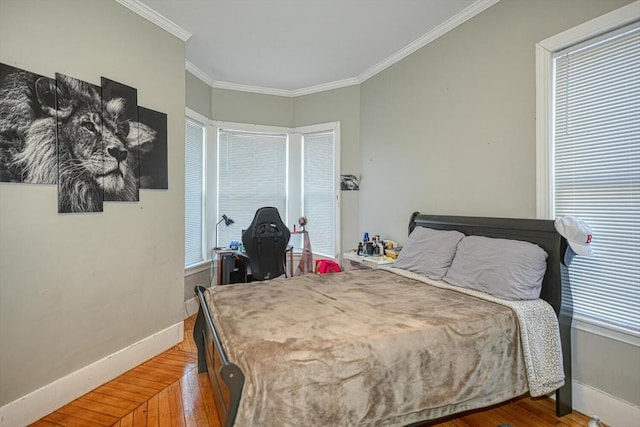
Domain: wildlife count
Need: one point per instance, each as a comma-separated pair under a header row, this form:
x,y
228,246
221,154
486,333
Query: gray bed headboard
x,y
540,232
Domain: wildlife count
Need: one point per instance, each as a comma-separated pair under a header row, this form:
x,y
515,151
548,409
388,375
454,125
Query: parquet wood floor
x,y
168,391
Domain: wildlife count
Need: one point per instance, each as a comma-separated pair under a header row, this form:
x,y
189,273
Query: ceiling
x,y
294,47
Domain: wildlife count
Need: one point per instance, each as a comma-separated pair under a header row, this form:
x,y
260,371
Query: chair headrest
x,y
265,241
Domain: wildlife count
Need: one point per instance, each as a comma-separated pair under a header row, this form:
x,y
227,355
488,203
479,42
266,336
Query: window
x,y
294,170
319,190
194,194
589,164
252,173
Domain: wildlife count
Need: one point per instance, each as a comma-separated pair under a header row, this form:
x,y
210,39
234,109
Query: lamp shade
x,y
227,221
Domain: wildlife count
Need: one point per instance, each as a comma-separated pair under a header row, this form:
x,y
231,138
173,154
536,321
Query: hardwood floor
x,y
168,391
164,391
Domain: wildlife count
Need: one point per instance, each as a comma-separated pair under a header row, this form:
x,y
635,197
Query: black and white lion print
x,y
61,131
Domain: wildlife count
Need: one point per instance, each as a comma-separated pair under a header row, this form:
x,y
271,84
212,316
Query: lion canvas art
x,y
129,114
64,131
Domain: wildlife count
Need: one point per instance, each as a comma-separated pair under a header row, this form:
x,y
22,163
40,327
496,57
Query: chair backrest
x,y
265,241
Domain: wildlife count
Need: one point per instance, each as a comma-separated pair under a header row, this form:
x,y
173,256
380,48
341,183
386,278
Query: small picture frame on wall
x,y
349,182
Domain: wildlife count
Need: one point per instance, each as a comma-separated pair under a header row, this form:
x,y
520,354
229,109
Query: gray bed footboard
x,y
226,378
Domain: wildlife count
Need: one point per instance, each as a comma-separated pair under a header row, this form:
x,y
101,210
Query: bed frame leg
x,y
198,337
564,395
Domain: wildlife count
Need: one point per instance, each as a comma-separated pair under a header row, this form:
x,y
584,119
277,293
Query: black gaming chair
x,y
265,241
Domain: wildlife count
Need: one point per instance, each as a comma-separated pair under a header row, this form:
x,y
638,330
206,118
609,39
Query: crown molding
x,y
326,86
151,15
253,89
193,69
196,71
439,31
283,92
460,18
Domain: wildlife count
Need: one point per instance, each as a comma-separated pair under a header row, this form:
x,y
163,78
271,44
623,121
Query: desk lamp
x,y
227,221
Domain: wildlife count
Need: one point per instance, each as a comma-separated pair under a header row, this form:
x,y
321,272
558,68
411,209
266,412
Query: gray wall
x,y
198,95
607,364
454,124
236,106
75,288
246,107
455,121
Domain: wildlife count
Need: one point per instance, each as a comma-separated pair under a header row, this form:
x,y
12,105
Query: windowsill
x,y
197,268
606,331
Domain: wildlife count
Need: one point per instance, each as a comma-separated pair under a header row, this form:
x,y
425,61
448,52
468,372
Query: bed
x,y
386,347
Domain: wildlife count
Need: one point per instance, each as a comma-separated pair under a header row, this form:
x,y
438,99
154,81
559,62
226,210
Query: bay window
x,y
244,167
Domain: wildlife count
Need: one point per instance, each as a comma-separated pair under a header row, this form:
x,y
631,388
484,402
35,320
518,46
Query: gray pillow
x,y
429,252
507,269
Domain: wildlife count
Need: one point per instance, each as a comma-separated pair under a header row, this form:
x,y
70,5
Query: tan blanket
x,y
365,348
539,335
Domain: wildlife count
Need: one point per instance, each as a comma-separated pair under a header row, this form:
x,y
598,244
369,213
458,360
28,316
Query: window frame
x,y
545,51
217,126
325,127
294,187
204,122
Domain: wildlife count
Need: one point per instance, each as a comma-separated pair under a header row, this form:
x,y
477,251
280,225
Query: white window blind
x,y
252,173
193,193
319,191
596,172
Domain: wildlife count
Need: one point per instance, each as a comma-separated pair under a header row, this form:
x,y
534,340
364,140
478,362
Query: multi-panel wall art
x,y
94,142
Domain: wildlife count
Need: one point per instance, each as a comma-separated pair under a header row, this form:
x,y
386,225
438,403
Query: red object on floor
x,y
324,266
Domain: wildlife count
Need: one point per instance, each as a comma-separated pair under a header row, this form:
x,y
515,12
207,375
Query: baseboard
x,y
37,404
191,307
611,410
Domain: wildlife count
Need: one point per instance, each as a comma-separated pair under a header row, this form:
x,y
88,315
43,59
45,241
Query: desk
x,y
225,262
